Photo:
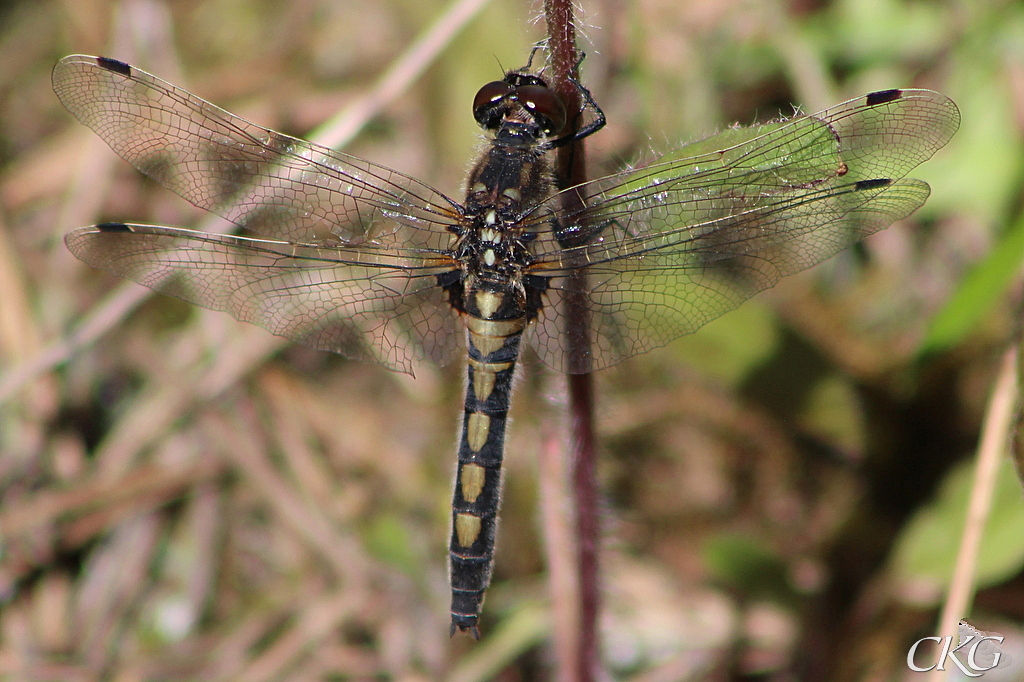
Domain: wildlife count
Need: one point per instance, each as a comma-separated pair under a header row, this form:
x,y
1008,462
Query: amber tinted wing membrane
x,y
354,249
677,243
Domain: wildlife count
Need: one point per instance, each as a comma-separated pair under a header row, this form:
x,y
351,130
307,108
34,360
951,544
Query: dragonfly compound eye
x,y
487,105
545,105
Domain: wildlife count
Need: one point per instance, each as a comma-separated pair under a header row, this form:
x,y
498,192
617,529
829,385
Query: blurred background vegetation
x,y
186,497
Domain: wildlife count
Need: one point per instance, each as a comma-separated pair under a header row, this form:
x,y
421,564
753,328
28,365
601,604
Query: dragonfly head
x,y
521,99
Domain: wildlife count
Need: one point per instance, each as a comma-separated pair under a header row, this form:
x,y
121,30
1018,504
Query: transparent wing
x,y
365,303
267,182
671,246
354,250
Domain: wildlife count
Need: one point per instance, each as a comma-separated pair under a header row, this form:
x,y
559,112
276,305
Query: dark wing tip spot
x,y
883,96
113,227
872,184
114,65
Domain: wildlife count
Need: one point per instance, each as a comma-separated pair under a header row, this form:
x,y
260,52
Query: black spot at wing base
x,y
862,185
535,288
452,283
114,65
883,96
113,227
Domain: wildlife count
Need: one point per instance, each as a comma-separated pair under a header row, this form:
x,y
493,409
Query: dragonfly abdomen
x,y
495,321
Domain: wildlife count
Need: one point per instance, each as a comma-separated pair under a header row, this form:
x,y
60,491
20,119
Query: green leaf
x,y
927,547
978,293
746,566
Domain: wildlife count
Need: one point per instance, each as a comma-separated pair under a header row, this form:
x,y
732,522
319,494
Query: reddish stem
x,y
571,170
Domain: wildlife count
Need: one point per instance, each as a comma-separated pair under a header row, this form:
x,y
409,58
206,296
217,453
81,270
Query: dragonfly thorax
x,y
495,254
524,134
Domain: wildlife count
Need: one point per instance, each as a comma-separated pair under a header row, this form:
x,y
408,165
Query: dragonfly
x,y
344,255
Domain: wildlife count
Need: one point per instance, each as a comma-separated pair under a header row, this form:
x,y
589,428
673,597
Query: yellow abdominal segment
x,y
473,478
467,527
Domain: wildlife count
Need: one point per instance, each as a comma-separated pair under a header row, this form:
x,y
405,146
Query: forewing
x,y
671,246
267,182
364,303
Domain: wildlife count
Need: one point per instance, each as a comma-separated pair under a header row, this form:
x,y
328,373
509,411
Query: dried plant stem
x,y
993,447
571,170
